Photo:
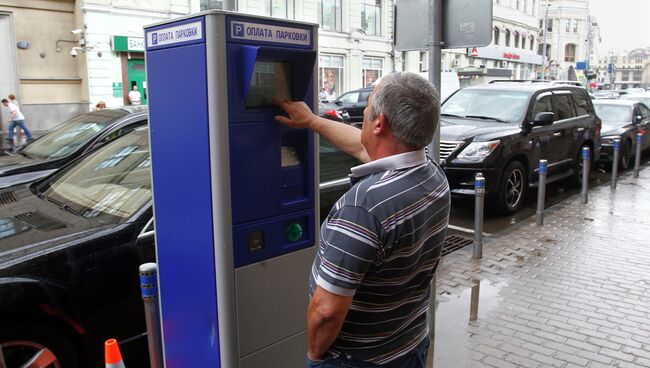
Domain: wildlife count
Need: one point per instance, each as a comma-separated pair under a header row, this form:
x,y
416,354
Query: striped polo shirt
x,y
381,243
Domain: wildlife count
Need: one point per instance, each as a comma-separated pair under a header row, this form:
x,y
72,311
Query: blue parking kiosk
x,y
235,192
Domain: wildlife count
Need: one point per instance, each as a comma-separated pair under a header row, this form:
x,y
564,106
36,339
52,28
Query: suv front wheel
x,y
512,189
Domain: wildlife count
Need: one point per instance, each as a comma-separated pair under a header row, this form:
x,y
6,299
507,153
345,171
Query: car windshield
x,y
67,137
613,112
645,100
504,106
114,180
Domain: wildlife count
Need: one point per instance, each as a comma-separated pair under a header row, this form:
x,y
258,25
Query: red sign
x,y
511,56
474,52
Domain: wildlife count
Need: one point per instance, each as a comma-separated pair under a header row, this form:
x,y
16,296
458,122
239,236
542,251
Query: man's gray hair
x,y
410,104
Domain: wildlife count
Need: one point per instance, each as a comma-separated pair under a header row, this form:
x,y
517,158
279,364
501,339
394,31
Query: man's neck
x,y
386,149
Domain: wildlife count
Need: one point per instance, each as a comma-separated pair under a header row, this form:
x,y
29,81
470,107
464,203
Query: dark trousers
x,y
21,124
416,358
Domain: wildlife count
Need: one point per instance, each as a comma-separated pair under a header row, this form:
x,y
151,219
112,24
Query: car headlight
x,y
479,150
608,140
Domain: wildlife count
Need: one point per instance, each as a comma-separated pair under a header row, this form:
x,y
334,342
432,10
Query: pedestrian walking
x,y
134,96
16,118
381,243
12,99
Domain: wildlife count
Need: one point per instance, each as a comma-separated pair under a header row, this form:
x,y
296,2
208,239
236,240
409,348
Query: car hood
x,y
30,225
479,130
613,127
18,164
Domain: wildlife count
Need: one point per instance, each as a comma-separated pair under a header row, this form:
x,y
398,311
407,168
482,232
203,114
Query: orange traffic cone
x,y
112,355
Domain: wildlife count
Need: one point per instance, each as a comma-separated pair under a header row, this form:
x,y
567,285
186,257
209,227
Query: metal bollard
x,y
479,189
585,174
617,150
541,192
637,158
149,289
474,299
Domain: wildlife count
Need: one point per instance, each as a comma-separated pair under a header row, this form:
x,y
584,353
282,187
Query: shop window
x,y
372,69
330,76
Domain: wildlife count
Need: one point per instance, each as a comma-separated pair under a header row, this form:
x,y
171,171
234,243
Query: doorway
x,y
136,76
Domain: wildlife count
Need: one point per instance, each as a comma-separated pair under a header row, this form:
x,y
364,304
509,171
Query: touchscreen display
x,y
270,78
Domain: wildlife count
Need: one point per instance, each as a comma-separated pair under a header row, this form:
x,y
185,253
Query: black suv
x,y
502,130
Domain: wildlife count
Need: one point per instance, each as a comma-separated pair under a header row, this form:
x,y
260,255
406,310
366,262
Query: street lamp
x,y
545,30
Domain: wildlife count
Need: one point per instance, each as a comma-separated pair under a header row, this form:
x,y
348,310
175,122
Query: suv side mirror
x,y
544,118
638,119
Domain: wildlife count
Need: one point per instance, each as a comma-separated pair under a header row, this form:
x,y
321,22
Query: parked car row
x,y
76,215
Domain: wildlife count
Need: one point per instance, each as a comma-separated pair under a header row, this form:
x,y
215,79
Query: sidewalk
x,y
573,293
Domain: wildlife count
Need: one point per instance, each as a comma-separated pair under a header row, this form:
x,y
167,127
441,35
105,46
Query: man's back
x,y
381,243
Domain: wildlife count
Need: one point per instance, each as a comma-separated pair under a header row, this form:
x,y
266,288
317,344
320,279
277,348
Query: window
x,y
565,108
523,42
625,76
570,52
211,4
532,42
371,17
424,61
637,75
276,8
549,25
567,25
575,23
518,4
329,15
504,106
497,33
330,75
372,69
516,39
507,37
542,104
582,103
351,97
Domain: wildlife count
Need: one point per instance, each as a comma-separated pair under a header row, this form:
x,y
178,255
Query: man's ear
x,y
381,125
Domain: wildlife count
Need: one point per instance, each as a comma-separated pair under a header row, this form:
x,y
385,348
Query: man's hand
x,y
300,116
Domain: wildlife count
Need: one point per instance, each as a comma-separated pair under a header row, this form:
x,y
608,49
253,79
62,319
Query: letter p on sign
x,y
238,30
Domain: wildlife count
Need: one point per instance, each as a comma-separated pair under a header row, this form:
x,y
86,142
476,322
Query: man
x,y
381,242
16,117
134,96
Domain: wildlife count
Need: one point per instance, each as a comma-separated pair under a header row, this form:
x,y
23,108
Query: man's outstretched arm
x,y
345,137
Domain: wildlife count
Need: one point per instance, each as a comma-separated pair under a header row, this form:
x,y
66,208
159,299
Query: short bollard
x,y
585,174
541,192
474,299
149,289
479,189
637,157
617,151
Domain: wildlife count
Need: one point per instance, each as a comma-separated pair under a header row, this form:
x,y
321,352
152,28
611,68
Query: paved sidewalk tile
x,y
573,293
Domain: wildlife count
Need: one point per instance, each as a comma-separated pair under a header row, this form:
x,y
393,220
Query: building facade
x,y
627,70
569,29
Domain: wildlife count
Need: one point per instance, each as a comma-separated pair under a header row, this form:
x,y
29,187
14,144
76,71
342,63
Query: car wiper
x,y
63,206
452,115
485,118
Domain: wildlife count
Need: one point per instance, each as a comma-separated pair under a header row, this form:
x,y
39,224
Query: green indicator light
x,y
293,232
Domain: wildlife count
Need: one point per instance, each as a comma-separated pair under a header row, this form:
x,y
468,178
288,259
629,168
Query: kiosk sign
x,y
181,33
269,33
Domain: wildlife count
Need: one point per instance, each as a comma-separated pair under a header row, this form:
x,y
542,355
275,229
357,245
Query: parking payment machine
x,y
235,192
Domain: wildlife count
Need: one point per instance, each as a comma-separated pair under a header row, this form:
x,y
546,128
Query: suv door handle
x,y
580,130
557,134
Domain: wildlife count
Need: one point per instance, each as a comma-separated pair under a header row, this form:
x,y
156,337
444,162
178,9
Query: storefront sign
x,y
505,53
128,44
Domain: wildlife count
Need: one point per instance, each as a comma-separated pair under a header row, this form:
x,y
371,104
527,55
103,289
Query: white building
x,y
569,26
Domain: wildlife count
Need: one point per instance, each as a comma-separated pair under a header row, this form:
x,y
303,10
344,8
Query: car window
x,y
582,104
350,97
565,108
614,113
506,106
364,96
119,132
113,182
645,112
334,164
543,103
67,137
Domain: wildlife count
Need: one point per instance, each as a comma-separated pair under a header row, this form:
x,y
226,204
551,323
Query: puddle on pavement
x,y
453,315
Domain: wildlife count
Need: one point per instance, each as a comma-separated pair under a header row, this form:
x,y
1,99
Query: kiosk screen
x,y
270,78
